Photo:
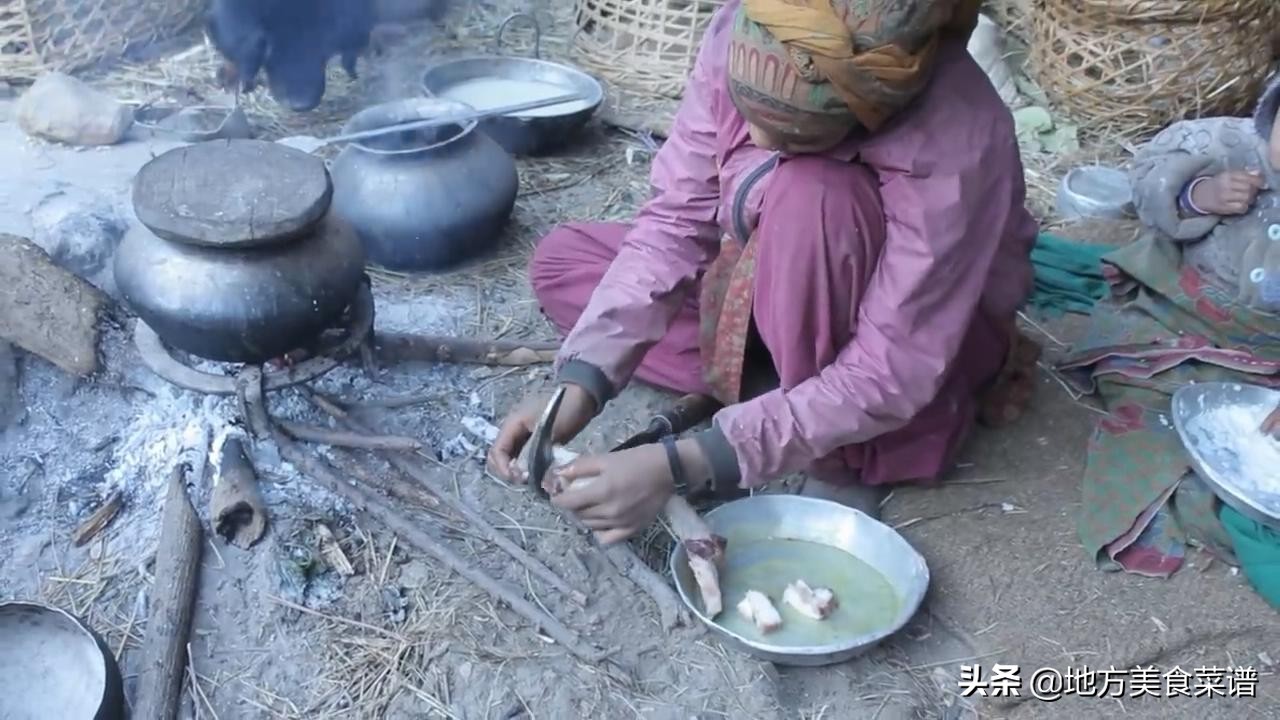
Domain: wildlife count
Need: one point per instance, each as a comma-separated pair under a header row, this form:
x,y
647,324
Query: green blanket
x,y
1068,275
1162,326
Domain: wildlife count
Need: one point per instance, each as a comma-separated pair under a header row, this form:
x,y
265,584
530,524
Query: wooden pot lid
x,y
232,193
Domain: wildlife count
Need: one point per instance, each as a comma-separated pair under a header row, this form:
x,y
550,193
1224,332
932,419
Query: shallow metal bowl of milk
x,y
487,83
1220,425
878,578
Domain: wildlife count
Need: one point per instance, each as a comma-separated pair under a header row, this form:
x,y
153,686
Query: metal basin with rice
x,y
773,540
490,82
1219,424
53,666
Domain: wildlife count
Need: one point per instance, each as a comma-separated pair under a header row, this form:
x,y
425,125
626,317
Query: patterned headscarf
x,y
810,69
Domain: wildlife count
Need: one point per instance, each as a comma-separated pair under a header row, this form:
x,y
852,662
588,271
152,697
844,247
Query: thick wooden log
x,y
164,650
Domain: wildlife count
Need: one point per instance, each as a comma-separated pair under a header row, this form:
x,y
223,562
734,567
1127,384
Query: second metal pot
x,y
425,200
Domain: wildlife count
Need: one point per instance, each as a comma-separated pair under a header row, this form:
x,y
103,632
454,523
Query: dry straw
x,y
644,46
1136,65
1013,16
68,35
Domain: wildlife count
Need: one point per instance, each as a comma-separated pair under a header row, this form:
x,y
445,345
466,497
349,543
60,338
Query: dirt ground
x,y
280,634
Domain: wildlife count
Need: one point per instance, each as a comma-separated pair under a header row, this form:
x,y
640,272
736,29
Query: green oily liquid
x,y
867,602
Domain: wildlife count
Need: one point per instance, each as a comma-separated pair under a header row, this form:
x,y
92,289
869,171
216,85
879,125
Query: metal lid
x,y
232,193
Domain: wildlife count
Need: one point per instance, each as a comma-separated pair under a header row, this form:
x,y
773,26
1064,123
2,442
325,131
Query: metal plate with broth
x,y
773,540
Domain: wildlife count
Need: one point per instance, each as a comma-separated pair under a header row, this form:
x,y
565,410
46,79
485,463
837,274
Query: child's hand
x,y
1228,193
1271,426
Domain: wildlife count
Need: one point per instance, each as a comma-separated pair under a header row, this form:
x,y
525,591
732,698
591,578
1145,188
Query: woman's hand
x,y
1228,193
619,494
576,410
1271,426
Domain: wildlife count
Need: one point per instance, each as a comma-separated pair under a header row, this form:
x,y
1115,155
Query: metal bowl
x,y
54,666
822,522
1220,466
1095,191
524,133
197,123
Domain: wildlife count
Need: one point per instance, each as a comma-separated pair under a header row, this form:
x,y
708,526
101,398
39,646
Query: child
x,y
1211,186
1196,299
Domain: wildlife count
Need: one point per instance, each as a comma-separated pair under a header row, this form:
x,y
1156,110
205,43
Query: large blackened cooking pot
x,y
244,261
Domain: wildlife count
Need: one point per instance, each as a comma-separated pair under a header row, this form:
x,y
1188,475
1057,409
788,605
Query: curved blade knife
x,y
541,451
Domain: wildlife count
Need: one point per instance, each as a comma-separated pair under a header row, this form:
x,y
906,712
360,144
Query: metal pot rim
x,y
407,110
595,99
111,704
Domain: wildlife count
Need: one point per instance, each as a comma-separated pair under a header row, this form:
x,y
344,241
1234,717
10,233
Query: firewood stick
x,y
457,504
392,403
177,567
377,508
340,438
671,610
235,505
407,347
99,520
389,483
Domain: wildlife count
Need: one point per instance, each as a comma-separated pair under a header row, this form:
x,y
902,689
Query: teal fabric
x,y
1068,275
1258,550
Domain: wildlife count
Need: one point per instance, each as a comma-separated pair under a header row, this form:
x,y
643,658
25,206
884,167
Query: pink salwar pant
x,y
821,230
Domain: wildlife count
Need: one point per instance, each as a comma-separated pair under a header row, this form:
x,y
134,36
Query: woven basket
x,y
68,35
644,46
1134,66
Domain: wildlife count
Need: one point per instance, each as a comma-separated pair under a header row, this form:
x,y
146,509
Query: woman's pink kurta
x,y
883,318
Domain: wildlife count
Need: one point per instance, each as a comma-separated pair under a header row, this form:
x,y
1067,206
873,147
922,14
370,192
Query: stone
x,y
11,410
47,310
232,193
79,229
62,108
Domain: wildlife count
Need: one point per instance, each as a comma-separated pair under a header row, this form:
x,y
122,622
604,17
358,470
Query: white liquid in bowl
x,y
489,93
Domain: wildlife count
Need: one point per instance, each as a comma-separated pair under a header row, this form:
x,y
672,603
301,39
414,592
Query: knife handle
x,y
688,411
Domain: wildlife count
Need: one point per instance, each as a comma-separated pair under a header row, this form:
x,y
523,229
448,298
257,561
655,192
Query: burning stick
x,y
376,507
236,506
403,347
339,438
477,521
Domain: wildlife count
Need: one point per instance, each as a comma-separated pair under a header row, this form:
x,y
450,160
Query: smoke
x,y
398,42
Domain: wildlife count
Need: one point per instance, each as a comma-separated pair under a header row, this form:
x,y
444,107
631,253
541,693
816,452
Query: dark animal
x,y
291,41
